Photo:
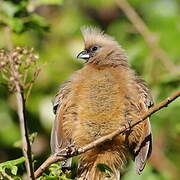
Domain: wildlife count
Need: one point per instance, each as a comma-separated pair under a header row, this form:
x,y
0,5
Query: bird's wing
x,y
143,148
58,139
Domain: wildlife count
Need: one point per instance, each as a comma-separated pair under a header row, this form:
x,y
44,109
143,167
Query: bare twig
x,y
55,157
24,132
149,37
23,125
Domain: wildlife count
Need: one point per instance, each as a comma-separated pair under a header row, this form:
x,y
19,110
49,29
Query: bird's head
x,y
101,49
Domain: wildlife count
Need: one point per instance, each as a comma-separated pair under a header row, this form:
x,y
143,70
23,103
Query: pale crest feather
x,y
93,35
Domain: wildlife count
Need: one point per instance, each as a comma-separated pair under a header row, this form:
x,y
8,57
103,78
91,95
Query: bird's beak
x,y
83,55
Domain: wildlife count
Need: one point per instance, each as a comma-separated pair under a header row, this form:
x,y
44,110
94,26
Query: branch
x,y
24,132
149,37
23,123
54,158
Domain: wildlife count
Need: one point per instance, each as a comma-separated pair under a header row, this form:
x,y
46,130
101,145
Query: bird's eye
x,y
95,48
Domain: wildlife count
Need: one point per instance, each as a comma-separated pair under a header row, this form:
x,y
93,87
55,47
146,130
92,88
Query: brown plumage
x,y
96,100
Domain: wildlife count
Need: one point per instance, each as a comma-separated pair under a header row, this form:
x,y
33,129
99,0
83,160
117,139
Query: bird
x,y
104,95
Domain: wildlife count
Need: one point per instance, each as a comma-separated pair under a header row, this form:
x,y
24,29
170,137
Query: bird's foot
x,y
70,150
127,125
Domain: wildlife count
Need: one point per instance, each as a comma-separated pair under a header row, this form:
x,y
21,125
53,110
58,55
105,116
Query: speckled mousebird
x,y
98,99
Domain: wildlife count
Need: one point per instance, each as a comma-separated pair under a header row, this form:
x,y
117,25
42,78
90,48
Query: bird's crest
x,y
93,35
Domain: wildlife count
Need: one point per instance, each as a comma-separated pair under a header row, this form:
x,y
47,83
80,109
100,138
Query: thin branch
x,y
54,158
24,133
149,37
23,125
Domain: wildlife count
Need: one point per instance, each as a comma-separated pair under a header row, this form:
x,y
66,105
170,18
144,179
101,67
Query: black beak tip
x,y
78,56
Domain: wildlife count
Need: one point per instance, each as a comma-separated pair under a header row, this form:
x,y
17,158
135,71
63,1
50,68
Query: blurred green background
x,y
52,28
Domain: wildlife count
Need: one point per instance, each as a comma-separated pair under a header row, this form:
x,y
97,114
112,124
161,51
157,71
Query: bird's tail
x,y
95,174
104,165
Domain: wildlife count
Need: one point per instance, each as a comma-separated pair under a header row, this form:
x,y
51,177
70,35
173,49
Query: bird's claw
x,y
70,150
127,125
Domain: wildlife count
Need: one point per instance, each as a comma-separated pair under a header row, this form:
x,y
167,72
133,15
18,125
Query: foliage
x,y
16,15
55,172
12,165
105,169
15,66
52,28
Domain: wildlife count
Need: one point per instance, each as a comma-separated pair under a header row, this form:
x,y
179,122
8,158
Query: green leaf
x,y
36,22
15,24
104,167
32,137
106,174
74,167
9,164
55,169
14,170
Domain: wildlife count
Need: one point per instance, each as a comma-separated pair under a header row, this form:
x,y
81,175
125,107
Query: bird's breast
x,y
100,104
99,93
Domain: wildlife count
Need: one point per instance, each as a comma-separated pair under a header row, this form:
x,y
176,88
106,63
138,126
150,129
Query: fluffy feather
x,y
95,101
94,35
